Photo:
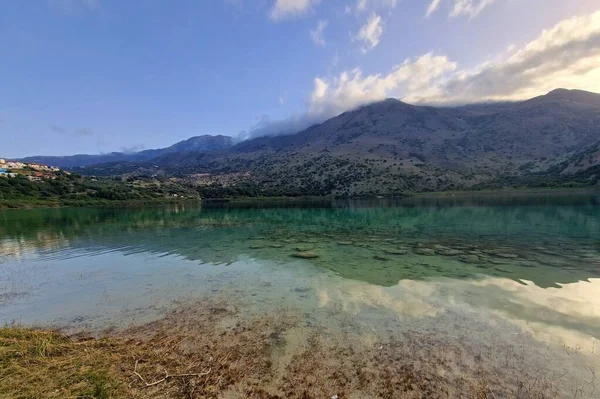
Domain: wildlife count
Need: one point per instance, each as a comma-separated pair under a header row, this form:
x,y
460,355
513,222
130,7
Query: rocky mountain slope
x,y
198,144
391,147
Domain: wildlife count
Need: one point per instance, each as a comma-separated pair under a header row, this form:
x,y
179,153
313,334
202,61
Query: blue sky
x,y
92,76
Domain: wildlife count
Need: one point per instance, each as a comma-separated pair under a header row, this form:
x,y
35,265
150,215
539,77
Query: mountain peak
x,y
559,92
578,96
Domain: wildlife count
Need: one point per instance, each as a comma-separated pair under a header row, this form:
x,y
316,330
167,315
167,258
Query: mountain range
x,y
198,143
391,147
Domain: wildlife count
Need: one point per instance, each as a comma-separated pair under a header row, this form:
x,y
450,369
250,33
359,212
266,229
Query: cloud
x,y
235,3
78,132
351,89
83,132
370,33
470,8
90,3
365,5
566,55
317,34
283,9
433,6
58,129
133,148
71,6
269,127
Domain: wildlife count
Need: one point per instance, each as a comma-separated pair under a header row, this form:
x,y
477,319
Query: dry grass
x,y
204,351
46,364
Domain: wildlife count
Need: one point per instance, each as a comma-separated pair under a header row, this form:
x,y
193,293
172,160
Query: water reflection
x,y
549,240
502,275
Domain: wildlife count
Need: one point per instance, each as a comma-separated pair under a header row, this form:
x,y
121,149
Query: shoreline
x,y
507,191
212,349
16,205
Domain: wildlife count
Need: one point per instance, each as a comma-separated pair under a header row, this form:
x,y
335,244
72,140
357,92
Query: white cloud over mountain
x,y
351,88
566,55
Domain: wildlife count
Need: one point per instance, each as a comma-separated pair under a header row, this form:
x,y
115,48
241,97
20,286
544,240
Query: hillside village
x,y
32,171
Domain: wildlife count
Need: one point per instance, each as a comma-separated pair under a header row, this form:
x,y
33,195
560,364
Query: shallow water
x,y
505,273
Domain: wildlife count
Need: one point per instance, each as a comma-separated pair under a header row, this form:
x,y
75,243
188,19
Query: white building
x,y
15,165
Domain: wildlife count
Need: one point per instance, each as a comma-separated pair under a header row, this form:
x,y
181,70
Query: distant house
x,y
3,172
15,165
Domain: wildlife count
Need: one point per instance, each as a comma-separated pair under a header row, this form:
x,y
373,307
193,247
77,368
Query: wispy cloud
x,y
58,129
366,5
469,8
133,148
83,132
284,9
370,33
77,132
317,33
91,3
70,6
235,3
433,6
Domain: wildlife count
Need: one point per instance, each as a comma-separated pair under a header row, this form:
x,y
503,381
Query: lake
x,y
512,278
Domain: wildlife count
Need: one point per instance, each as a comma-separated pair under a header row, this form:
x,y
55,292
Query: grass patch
x,y
47,364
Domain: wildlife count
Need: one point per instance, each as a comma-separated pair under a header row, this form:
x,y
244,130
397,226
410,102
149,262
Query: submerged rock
x,y
449,252
305,255
381,258
277,339
345,243
276,246
425,251
503,270
441,247
256,246
497,261
395,251
304,249
506,255
469,258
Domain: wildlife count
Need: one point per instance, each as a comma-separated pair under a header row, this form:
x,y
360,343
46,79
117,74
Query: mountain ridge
x,y
197,143
392,147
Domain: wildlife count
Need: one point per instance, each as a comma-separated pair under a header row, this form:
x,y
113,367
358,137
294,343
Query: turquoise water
x,y
508,266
